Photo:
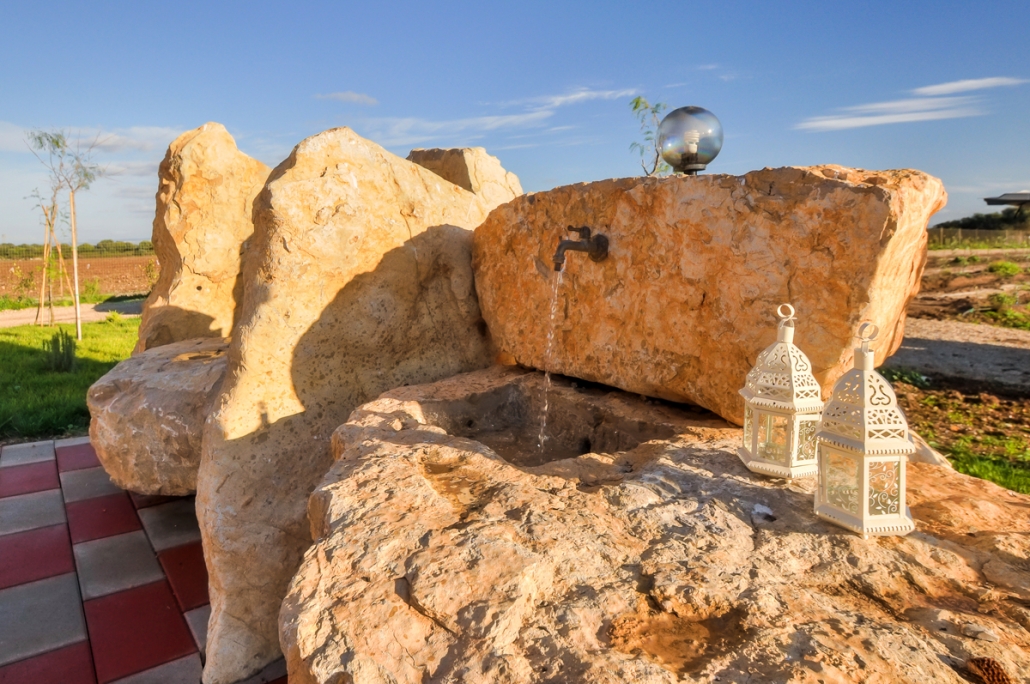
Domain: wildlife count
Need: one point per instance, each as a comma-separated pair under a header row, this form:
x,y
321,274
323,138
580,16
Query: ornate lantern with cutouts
x,y
782,404
863,446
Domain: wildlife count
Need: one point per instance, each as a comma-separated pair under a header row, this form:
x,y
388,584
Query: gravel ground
x,y
998,357
66,314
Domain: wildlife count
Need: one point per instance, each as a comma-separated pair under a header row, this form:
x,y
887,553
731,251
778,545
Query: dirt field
x,y
113,275
962,374
990,287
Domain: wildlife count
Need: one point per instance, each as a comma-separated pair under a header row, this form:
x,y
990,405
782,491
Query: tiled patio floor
x,y
97,585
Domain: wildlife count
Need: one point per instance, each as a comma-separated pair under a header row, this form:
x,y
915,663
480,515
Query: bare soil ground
x,y
113,275
962,374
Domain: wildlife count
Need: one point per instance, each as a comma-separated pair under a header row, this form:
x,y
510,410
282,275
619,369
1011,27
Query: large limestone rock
x,y
696,268
204,205
147,415
665,560
473,169
361,280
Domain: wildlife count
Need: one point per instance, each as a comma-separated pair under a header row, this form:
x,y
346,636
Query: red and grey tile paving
x,y
97,585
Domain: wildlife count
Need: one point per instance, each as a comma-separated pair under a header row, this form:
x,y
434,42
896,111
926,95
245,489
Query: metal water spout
x,y
596,246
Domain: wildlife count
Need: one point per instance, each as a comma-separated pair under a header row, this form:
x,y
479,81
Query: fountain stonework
x,y
696,265
373,499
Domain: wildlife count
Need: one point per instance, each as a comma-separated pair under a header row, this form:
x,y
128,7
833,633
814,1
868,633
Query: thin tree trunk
x,y
75,266
50,300
63,267
46,260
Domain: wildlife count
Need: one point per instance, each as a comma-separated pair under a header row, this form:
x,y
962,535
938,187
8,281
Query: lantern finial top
x,y
864,356
785,332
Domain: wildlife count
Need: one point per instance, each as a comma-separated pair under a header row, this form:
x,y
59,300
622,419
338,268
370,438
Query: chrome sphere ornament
x,y
689,138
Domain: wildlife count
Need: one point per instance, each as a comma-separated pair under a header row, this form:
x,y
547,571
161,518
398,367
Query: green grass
x,y
1005,268
36,402
976,244
1011,474
8,303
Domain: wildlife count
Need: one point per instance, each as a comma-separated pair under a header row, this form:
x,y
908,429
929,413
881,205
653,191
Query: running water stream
x,y
547,356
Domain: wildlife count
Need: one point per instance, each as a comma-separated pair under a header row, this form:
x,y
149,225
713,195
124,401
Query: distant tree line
x,y
102,248
1007,219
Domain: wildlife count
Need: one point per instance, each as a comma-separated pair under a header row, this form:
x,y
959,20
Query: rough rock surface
x,y
360,281
147,415
473,169
697,266
438,561
204,205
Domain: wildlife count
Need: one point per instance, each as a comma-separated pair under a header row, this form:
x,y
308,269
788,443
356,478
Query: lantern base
x,y
881,525
757,465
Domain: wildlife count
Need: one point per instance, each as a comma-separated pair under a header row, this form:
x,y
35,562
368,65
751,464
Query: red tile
x,y
184,566
148,500
135,630
103,516
69,665
34,555
76,457
25,479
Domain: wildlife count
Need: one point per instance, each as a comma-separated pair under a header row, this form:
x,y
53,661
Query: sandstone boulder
x,y
204,205
359,279
473,169
662,560
147,415
697,266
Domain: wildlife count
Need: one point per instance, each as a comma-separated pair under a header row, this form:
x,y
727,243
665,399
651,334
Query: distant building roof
x,y
1015,199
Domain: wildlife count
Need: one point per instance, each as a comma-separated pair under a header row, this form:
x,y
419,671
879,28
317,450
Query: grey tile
x,y
89,483
20,454
182,671
115,563
39,617
71,441
29,511
272,671
197,620
171,524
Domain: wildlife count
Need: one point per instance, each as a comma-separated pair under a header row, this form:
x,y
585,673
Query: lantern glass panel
x,y
884,487
806,439
840,483
748,427
773,443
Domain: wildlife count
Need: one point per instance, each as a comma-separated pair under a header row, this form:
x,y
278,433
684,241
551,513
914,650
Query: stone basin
x,y
510,413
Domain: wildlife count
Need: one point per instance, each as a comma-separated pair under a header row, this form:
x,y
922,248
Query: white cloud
x,y
929,105
896,111
139,138
967,85
411,130
574,97
139,169
397,132
349,96
12,138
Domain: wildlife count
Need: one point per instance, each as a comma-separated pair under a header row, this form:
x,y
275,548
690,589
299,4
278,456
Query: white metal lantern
x,y
863,446
782,404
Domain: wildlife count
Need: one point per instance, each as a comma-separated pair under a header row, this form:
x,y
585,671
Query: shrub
x,y
114,317
60,352
906,376
1002,302
91,288
1005,268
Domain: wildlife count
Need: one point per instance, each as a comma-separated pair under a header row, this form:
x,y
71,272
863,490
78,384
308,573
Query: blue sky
x,y
938,86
